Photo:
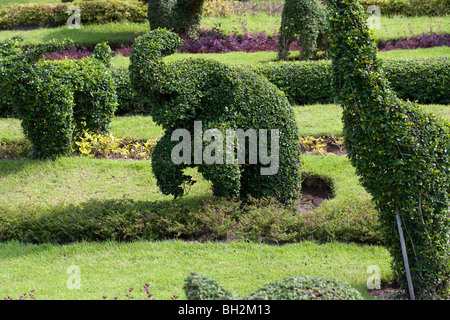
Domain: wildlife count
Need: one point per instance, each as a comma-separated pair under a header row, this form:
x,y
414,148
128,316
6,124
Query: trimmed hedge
x,y
424,80
55,14
57,100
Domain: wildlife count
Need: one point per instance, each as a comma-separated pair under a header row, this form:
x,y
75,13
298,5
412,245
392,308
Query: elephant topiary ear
x,y
198,287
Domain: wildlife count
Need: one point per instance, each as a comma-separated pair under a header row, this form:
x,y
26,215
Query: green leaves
x,y
399,151
220,96
57,100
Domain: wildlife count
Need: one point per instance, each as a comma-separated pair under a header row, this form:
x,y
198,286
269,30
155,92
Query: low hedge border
x,y
15,16
310,82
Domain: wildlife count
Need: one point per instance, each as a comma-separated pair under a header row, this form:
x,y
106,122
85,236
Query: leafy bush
x,y
180,16
198,287
107,146
50,15
57,100
221,97
309,82
300,20
400,152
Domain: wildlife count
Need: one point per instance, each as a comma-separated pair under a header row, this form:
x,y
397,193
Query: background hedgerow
x,y
15,16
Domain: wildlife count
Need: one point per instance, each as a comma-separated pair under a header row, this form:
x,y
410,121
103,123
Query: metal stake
x,y
405,255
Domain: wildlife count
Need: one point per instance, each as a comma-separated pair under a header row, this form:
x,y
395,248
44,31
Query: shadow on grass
x,y
103,220
14,166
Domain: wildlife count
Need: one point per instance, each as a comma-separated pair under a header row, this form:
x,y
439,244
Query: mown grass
x,y
312,120
126,32
109,269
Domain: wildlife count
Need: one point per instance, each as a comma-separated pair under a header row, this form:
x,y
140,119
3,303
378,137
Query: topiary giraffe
x,y
401,153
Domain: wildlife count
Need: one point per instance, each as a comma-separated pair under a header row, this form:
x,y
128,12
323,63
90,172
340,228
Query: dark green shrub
x,y
308,82
221,97
300,20
303,82
180,16
57,100
293,288
400,152
424,80
305,288
53,15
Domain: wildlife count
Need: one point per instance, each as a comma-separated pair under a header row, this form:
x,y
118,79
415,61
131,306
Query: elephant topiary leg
x,y
225,178
169,175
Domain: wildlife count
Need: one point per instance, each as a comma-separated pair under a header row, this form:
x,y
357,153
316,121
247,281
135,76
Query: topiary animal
x,y
57,100
197,287
401,153
221,98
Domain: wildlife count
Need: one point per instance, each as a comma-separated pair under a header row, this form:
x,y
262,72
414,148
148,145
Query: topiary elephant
x,y
57,100
221,100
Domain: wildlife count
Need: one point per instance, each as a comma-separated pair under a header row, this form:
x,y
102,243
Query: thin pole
x,y
405,255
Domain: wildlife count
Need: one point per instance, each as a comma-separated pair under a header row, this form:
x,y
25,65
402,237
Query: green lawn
x,y
125,32
312,120
109,269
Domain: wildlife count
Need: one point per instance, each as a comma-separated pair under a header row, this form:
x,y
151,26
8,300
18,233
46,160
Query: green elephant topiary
x,y
57,100
222,99
198,287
